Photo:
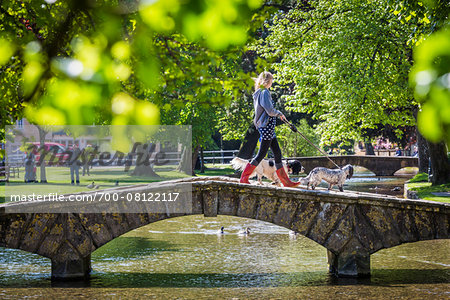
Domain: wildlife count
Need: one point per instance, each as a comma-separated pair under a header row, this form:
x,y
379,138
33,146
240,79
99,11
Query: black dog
x,y
295,166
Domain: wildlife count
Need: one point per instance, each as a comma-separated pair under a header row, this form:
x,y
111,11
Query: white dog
x,y
267,169
332,176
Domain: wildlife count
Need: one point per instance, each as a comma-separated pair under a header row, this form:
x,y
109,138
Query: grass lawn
x,y
424,189
59,179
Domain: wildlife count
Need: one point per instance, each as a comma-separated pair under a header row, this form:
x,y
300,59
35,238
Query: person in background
x,y
87,152
74,165
30,166
415,152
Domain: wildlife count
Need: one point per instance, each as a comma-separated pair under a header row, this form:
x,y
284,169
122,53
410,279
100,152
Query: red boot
x,y
246,173
285,178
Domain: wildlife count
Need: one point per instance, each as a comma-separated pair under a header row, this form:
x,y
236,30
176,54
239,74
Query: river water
x,y
185,258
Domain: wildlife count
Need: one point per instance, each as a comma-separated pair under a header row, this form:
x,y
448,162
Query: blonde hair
x,y
263,79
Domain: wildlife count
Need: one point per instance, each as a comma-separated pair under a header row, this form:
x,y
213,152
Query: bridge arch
x,y
227,230
351,226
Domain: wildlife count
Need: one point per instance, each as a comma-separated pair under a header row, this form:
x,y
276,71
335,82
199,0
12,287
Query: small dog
x,y
332,176
295,166
267,169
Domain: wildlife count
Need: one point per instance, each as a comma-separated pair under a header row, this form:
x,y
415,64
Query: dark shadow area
x,y
381,277
127,247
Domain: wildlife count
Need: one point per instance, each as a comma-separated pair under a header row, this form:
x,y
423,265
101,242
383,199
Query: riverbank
x,y
419,188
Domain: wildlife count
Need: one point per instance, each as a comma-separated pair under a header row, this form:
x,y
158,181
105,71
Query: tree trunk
x,y
143,170
185,164
249,144
424,157
202,161
369,148
440,167
42,134
143,167
194,158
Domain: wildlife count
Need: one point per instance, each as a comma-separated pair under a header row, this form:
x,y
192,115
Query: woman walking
x,y
265,120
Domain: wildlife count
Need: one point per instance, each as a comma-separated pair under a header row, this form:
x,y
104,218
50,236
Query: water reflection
x,y
187,252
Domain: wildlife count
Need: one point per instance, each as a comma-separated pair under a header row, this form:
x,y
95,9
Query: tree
x,y
431,78
70,62
431,39
42,133
196,84
143,168
235,121
293,145
349,63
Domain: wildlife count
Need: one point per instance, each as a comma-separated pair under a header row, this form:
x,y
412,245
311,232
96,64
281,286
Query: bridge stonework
x,y
380,165
351,226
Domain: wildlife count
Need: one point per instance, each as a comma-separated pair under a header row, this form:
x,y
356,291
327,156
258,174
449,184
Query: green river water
x,y
184,258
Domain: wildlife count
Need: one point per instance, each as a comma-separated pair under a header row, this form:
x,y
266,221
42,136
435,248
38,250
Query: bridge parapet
x,y
350,225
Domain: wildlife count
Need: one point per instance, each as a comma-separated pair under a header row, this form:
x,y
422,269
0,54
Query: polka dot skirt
x,y
268,132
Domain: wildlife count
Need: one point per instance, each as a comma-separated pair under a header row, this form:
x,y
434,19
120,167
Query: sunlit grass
x,y
425,189
420,177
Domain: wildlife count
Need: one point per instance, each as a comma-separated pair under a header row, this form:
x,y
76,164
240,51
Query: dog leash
x,y
294,129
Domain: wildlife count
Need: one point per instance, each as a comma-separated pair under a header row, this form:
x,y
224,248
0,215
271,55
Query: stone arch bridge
x,y
380,165
350,225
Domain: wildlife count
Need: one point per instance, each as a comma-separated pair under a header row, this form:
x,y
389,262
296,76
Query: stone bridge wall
x,y
351,226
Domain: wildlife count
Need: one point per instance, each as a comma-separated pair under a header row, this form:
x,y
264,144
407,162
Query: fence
x,y
391,152
17,159
224,156
212,156
7,172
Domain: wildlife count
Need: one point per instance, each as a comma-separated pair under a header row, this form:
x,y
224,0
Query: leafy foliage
x,y
234,119
196,84
431,78
115,62
293,145
425,16
420,177
431,73
349,61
